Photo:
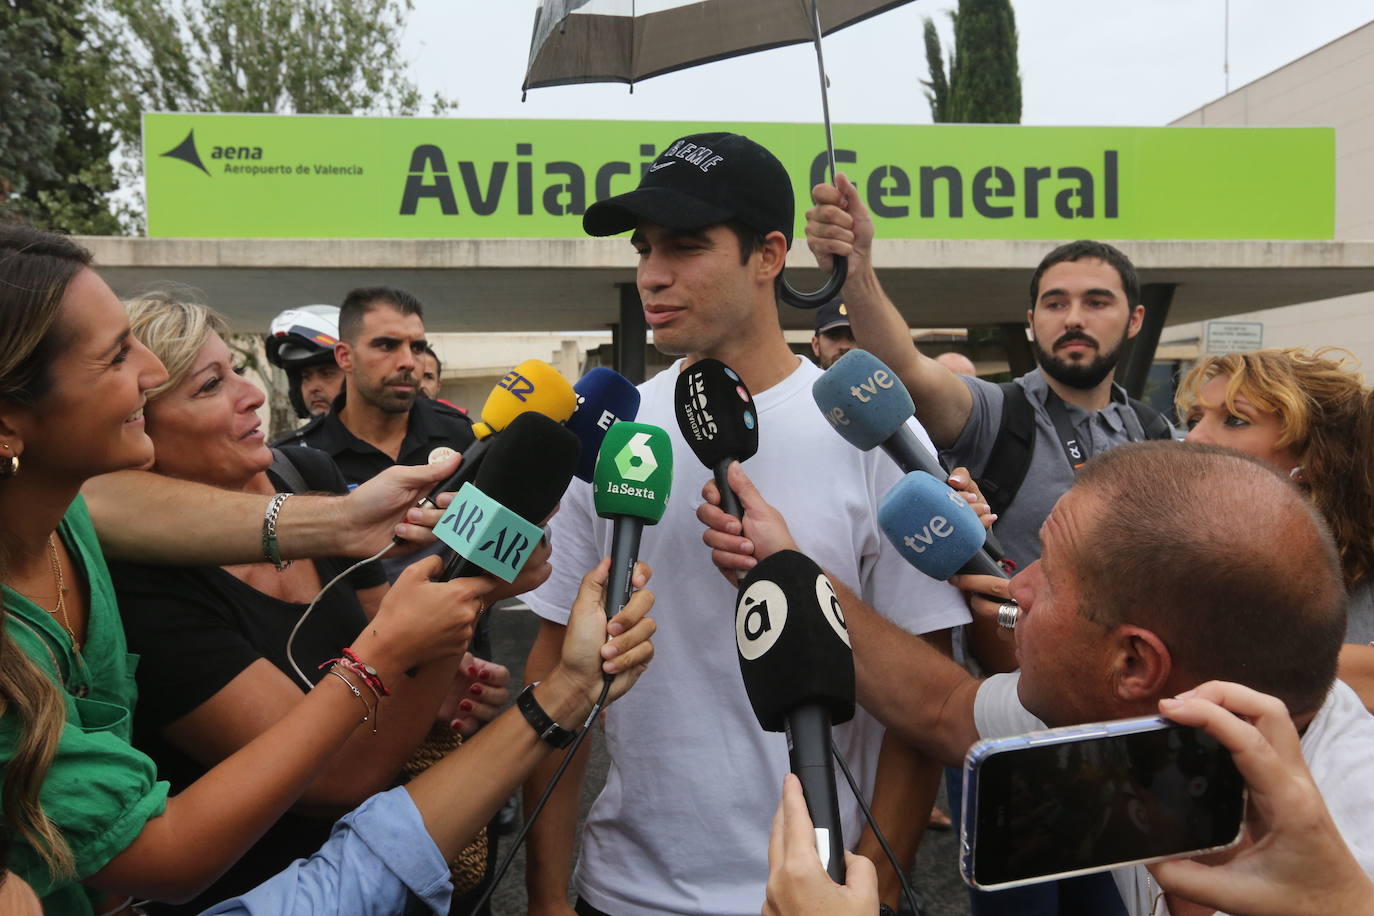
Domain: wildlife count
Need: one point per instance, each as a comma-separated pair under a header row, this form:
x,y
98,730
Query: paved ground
x,y
935,877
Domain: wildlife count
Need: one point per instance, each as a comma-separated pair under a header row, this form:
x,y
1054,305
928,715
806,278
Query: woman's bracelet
x,y
364,671
371,713
270,550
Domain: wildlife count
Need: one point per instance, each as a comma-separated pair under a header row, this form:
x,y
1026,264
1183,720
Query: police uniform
x,y
431,425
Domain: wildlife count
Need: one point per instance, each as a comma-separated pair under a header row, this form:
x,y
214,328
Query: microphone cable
x,y
908,893
291,640
519,840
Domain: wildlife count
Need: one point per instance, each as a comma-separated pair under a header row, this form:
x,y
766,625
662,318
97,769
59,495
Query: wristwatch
x,y
547,729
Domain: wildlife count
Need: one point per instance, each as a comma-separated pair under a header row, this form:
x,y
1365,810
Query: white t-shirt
x,y
682,825
1337,746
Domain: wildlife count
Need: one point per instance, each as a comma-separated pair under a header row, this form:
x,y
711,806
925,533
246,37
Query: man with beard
x,y
1084,306
378,419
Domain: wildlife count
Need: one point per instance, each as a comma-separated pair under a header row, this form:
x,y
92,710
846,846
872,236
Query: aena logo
x,y
186,152
759,618
636,460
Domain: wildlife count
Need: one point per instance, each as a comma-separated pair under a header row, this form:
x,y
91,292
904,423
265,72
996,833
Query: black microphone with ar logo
x,y
716,414
798,670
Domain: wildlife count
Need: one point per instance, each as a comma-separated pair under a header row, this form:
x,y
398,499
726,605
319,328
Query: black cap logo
x,y
186,152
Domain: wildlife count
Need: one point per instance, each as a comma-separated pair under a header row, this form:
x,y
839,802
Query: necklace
x,y
59,613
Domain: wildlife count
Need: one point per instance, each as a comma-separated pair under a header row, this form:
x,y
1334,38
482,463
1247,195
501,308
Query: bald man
x,y
957,363
1164,566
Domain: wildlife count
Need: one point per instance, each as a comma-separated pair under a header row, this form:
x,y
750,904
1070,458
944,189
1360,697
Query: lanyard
x,y
1077,452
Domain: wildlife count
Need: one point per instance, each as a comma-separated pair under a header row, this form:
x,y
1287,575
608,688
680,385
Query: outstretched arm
x,y
840,224
150,518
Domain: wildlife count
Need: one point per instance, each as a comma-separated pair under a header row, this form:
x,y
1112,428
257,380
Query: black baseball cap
x,y
831,315
701,180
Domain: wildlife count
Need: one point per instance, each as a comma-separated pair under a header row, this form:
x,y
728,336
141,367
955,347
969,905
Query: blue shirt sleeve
x,y
375,856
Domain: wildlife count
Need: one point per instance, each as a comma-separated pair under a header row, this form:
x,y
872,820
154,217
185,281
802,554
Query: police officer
x,y
378,419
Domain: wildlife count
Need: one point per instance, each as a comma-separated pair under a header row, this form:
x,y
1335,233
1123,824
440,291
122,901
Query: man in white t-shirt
x,y
1164,566
682,824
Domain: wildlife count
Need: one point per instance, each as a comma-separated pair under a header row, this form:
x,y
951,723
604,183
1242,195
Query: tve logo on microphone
x,y
931,525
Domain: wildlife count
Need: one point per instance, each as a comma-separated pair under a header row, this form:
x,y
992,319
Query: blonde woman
x,y
1310,415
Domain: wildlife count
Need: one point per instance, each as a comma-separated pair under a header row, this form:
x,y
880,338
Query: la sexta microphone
x,y
531,387
798,670
633,477
935,529
869,407
603,397
493,522
718,419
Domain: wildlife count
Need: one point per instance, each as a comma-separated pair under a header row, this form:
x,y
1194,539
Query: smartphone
x,y
1088,798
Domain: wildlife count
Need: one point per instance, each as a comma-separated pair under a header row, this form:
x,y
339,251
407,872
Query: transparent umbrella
x,y
625,41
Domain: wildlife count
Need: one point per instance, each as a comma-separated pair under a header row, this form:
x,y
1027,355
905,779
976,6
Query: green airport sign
x,y
309,176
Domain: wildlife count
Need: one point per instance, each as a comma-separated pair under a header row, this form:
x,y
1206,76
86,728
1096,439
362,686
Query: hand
x,y
421,620
961,481
587,651
1295,863
477,696
797,884
737,547
371,513
839,224
985,594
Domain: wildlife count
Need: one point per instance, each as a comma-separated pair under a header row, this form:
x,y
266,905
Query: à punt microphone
x,y
718,419
798,670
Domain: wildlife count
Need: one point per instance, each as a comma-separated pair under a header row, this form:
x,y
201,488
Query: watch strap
x,y
545,727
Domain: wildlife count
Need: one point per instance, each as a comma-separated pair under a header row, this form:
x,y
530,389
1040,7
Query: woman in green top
x,y
91,818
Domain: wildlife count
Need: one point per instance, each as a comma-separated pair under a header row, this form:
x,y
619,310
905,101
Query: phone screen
x,y
1090,803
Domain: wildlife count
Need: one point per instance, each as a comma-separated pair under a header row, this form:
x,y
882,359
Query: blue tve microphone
x,y
869,407
604,396
935,529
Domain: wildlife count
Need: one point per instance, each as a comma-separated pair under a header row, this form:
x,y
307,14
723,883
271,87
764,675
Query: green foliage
x,y
55,167
79,74
984,84
282,56
937,87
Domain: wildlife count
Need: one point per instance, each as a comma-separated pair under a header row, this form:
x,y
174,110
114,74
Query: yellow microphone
x,y
533,385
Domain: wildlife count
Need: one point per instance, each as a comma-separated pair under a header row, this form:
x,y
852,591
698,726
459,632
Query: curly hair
x,y
1326,418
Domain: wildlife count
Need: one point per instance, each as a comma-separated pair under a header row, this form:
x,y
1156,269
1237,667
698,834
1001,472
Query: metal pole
x,y
825,83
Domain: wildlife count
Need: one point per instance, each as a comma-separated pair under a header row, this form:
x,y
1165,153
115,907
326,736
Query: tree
x,y
268,56
55,169
984,85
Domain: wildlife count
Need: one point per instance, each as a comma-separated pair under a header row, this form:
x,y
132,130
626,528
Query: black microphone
x,y
526,471
718,419
798,670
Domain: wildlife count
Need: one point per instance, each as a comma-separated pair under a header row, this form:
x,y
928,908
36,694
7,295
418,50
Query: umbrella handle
x,y
830,290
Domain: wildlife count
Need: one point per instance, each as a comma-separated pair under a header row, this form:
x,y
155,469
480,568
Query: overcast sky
x,y
1110,62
